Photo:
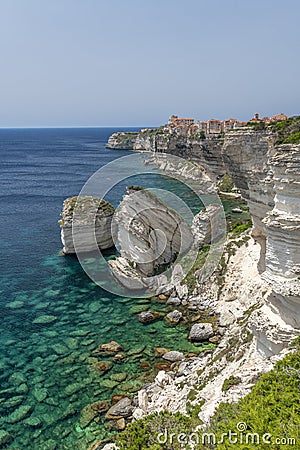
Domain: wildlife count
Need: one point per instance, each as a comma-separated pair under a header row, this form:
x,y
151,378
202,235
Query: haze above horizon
x,y
113,63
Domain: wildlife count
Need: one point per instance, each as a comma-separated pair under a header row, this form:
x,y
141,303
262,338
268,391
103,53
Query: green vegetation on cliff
x,y
269,414
287,131
226,184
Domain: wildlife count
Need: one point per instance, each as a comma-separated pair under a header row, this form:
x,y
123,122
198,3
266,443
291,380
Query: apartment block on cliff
x,y
214,127
275,118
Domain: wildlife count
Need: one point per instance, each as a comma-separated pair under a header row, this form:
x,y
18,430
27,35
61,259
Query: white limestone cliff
x,y
80,216
150,236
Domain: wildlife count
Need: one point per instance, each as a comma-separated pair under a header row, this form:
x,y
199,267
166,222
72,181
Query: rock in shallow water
x,y
121,409
173,356
174,316
103,366
108,349
15,305
90,412
44,320
201,332
19,414
119,377
146,317
5,437
40,394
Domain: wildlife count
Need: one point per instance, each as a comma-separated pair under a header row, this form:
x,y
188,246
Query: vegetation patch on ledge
x,y
271,409
86,207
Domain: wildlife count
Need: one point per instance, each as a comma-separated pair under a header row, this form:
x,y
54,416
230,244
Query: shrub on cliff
x,y
272,409
267,418
226,184
151,432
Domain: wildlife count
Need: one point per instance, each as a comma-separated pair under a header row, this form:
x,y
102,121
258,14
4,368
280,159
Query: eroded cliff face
x,y
268,177
283,234
80,215
150,236
122,140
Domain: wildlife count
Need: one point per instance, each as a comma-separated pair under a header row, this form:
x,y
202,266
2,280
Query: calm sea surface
x,y
52,315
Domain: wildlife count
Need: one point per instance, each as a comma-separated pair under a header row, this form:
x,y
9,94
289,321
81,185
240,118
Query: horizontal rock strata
x,y
86,221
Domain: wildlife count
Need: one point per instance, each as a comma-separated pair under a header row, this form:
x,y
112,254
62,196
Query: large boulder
x,y
174,316
150,235
173,356
121,409
146,317
201,332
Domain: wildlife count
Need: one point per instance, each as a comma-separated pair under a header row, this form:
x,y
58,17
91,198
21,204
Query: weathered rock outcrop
x,y
122,140
150,236
206,151
283,234
79,214
258,303
268,177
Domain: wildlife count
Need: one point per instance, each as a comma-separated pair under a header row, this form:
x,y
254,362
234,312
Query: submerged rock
x,y
110,384
90,412
17,378
12,402
136,350
5,437
146,317
15,305
103,366
33,422
19,414
44,320
201,332
40,394
119,376
73,388
108,349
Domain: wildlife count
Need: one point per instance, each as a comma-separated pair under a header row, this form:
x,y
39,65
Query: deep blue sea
x,y
47,369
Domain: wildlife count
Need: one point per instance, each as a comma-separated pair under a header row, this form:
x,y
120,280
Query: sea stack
x,y
91,214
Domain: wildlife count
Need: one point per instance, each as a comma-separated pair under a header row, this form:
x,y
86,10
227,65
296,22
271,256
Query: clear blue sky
x,y
135,62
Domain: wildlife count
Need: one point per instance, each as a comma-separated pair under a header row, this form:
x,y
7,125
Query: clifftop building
x,y
214,127
275,118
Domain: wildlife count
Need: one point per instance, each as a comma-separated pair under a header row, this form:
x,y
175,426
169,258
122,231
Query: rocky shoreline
x,y
257,299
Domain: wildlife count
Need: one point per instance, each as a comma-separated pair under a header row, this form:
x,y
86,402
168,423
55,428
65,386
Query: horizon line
x,y
74,126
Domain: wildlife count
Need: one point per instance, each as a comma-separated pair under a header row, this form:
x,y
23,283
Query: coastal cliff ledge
x,y
264,164
122,140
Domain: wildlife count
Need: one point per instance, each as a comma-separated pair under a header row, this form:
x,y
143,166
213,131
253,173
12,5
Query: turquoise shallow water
x,y
52,315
